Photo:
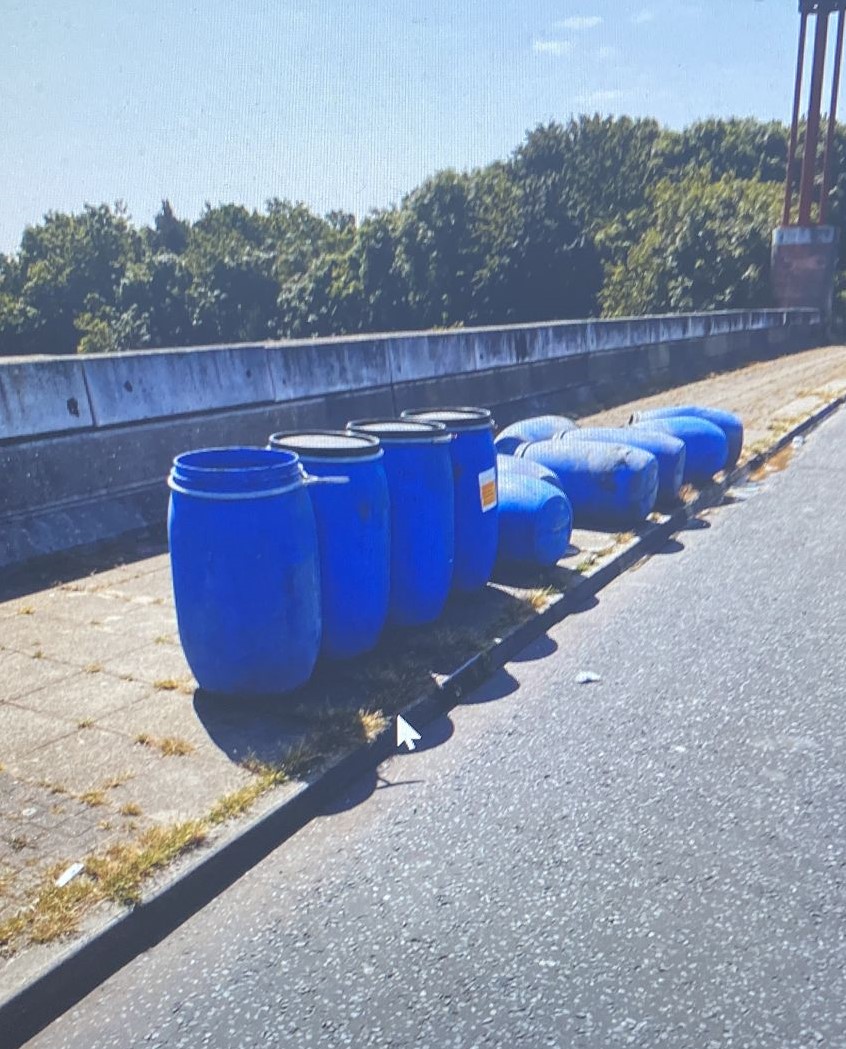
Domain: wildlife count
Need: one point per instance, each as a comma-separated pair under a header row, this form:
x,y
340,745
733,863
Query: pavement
x,y
653,859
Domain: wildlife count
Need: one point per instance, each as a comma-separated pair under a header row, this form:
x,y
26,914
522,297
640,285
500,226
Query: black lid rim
x,y
370,449
434,432
476,418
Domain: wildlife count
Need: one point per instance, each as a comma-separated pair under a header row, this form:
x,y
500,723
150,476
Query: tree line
x,y
594,217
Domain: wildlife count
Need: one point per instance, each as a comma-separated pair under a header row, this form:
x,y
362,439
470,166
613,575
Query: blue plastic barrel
x,y
474,476
538,428
668,450
526,468
609,485
728,422
418,467
244,560
353,533
706,447
535,520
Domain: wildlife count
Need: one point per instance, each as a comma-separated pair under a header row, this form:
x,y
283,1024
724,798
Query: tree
x,y
62,262
707,248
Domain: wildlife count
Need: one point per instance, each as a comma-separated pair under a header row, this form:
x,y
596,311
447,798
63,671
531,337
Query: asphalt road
x,y
655,859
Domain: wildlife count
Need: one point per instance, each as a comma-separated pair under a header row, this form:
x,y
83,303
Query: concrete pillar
x,y
804,260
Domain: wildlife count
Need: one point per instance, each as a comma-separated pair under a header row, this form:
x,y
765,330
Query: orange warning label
x,y
487,489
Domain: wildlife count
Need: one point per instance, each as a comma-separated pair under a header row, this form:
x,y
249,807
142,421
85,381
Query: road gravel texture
x,y
654,859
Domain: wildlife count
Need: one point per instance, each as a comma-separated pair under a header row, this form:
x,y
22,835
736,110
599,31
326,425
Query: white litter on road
x,y
587,677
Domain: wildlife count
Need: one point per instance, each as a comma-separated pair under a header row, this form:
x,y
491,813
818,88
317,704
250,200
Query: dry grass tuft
x,y
172,747
85,723
130,809
172,684
93,668
121,870
539,600
93,798
169,746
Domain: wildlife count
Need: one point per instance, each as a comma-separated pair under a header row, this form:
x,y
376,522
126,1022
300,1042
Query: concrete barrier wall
x,y
85,443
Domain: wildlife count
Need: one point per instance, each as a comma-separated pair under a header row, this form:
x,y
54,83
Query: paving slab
x,y
21,674
83,696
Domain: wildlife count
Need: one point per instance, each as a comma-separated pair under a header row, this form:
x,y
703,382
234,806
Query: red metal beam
x,y
812,131
832,119
794,127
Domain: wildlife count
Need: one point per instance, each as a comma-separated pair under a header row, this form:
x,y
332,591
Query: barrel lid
x,y
391,431
327,444
453,418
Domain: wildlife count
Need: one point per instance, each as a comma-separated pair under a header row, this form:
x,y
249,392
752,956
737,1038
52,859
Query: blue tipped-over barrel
x,y
706,447
535,520
607,484
539,428
728,422
246,578
526,468
474,476
418,467
668,450
353,532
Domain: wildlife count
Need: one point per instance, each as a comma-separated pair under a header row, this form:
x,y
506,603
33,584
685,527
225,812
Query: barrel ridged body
x,y
418,468
706,447
535,520
244,560
728,422
475,483
606,484
353,532
668,450
538,428
508,464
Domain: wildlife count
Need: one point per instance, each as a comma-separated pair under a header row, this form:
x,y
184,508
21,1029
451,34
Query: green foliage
x,y
597,214
707,247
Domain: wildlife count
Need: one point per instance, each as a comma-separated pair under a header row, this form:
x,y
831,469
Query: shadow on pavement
x,y
695,524
541,648
51,570
260,729
672,546
501,685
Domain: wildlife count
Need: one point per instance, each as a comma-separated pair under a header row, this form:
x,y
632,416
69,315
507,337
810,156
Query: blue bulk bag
x,y
535,520
526,468
706,447
728,422
539,428
668,450
609,485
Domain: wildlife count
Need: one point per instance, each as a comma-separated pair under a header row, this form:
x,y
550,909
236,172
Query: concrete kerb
x,y
103,953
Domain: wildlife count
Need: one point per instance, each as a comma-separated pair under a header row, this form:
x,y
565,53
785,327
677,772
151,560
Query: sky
x,y
344,103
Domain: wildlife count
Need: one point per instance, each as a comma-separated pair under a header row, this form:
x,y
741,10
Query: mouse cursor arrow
x,y
406,734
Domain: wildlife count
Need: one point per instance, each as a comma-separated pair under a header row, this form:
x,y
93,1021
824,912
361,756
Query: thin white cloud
x,y
552,47
579,22
598,99
605,54
643,16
